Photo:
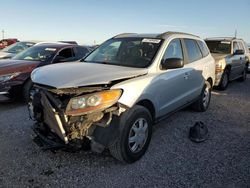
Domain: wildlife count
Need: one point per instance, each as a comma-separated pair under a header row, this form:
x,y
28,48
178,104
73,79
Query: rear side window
x,y
66,53
241,47
235,46
203,48
246,47
174,50
193,50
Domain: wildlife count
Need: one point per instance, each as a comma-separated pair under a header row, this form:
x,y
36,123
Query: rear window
x,y
193,50
218,46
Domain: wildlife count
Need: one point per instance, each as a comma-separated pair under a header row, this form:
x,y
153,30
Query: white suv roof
x,y
154,35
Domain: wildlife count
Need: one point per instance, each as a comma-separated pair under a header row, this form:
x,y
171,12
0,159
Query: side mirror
x,y
172,63
239,52
59,59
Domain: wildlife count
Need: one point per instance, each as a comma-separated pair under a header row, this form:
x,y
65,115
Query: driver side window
x,y
174,50
66,53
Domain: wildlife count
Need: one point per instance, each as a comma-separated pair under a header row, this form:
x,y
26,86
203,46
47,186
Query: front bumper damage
x,y
55,130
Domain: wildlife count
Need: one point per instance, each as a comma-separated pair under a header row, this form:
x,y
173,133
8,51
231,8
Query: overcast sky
x,y
86,21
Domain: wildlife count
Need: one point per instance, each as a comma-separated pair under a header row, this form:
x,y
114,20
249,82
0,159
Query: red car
x,y
6,42
15,72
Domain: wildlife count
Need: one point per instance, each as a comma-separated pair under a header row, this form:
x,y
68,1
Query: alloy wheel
x,y
138,135
206,96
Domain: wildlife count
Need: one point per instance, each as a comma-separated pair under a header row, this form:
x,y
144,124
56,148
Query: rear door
x,y
174,87
198,64
242,57
235,62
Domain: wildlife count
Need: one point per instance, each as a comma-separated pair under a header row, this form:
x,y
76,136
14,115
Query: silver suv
x,y
112,98
232,58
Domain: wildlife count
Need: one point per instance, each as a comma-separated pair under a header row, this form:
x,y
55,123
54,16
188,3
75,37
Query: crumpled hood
x,y
218,57
73,75
5,55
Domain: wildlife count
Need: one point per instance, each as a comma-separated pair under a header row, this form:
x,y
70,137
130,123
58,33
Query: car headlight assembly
x,y
220,66
8,77
93,102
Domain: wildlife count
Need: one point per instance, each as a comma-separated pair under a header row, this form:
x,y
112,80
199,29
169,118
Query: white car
x,y
114,96
16,48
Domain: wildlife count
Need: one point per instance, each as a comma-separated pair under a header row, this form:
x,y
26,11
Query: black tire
x,y
202,104
121,149
244,76
26,90
224,80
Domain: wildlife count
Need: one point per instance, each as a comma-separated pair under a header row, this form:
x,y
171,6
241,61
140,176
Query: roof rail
x,y
222,38
173,32
123,35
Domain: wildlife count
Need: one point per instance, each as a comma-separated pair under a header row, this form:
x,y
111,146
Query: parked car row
x,y
15,72
6,42
111,97
16,48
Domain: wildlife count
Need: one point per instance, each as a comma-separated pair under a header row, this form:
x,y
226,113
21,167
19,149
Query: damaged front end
x,y
70,118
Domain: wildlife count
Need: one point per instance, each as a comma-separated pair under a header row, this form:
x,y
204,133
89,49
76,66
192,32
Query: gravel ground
x,y
172,159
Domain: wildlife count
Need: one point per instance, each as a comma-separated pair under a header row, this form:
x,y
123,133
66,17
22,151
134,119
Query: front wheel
x,y
202,104
224,80
135,135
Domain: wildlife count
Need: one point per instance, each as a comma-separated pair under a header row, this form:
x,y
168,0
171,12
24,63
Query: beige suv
x,y
231,56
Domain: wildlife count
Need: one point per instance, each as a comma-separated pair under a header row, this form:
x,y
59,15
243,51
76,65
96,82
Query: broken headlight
x,y
7,77
92,102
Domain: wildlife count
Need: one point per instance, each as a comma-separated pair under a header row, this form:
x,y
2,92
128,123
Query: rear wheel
x,y
224,80
202,104
135,135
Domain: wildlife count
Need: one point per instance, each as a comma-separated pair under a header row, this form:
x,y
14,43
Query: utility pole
x,y
3,33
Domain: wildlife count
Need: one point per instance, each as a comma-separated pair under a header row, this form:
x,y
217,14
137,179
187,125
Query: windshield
x,y
130,52
37,53
222,47
18,47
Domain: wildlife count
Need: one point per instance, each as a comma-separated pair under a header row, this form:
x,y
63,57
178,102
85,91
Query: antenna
x,y
235,33
3,33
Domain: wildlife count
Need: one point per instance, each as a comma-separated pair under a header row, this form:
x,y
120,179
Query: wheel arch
x,y
228,67
211,81
149,106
